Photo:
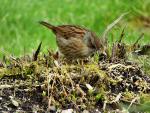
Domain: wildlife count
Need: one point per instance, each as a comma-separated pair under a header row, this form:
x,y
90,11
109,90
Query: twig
x,y
117,98
127,101
113,52
63,87
71,81
80,90
109,27
104,105
5,86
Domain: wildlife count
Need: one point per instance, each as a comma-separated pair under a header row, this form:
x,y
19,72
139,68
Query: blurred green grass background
x,y
21,33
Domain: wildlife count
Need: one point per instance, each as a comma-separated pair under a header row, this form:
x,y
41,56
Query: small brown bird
x,y
75,42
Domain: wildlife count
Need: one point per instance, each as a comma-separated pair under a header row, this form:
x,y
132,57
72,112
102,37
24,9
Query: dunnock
x,y
74,41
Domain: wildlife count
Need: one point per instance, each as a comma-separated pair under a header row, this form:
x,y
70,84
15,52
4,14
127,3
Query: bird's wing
x,y
68,31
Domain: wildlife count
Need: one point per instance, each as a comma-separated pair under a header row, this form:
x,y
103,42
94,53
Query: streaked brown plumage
x,y
74,41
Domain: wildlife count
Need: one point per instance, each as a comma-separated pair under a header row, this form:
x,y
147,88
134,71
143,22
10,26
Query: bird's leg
x,y
80,62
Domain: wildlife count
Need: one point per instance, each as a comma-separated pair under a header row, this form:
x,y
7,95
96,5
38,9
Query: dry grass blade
x,y
132,102
122,35
35,56
4,59
117,98
109,27
140,37
113,52
118,48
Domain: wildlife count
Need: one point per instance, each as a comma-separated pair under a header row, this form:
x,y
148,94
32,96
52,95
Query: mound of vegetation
x,y
45,84
112,83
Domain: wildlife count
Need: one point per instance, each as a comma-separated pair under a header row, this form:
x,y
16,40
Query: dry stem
x,y
109,27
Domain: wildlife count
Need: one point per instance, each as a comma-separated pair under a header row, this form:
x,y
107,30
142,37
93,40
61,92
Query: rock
x,y
67,111
86,111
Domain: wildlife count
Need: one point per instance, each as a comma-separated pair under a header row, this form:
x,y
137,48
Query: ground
x,y
39,83
21,31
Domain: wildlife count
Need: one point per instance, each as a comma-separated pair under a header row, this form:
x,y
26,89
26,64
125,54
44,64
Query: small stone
x,y
67,111
52,108
14,102
86,111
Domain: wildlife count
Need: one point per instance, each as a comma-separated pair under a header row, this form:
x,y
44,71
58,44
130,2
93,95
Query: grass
x,y
20,32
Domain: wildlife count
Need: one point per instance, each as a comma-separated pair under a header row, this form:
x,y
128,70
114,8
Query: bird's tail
x,y
47,25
